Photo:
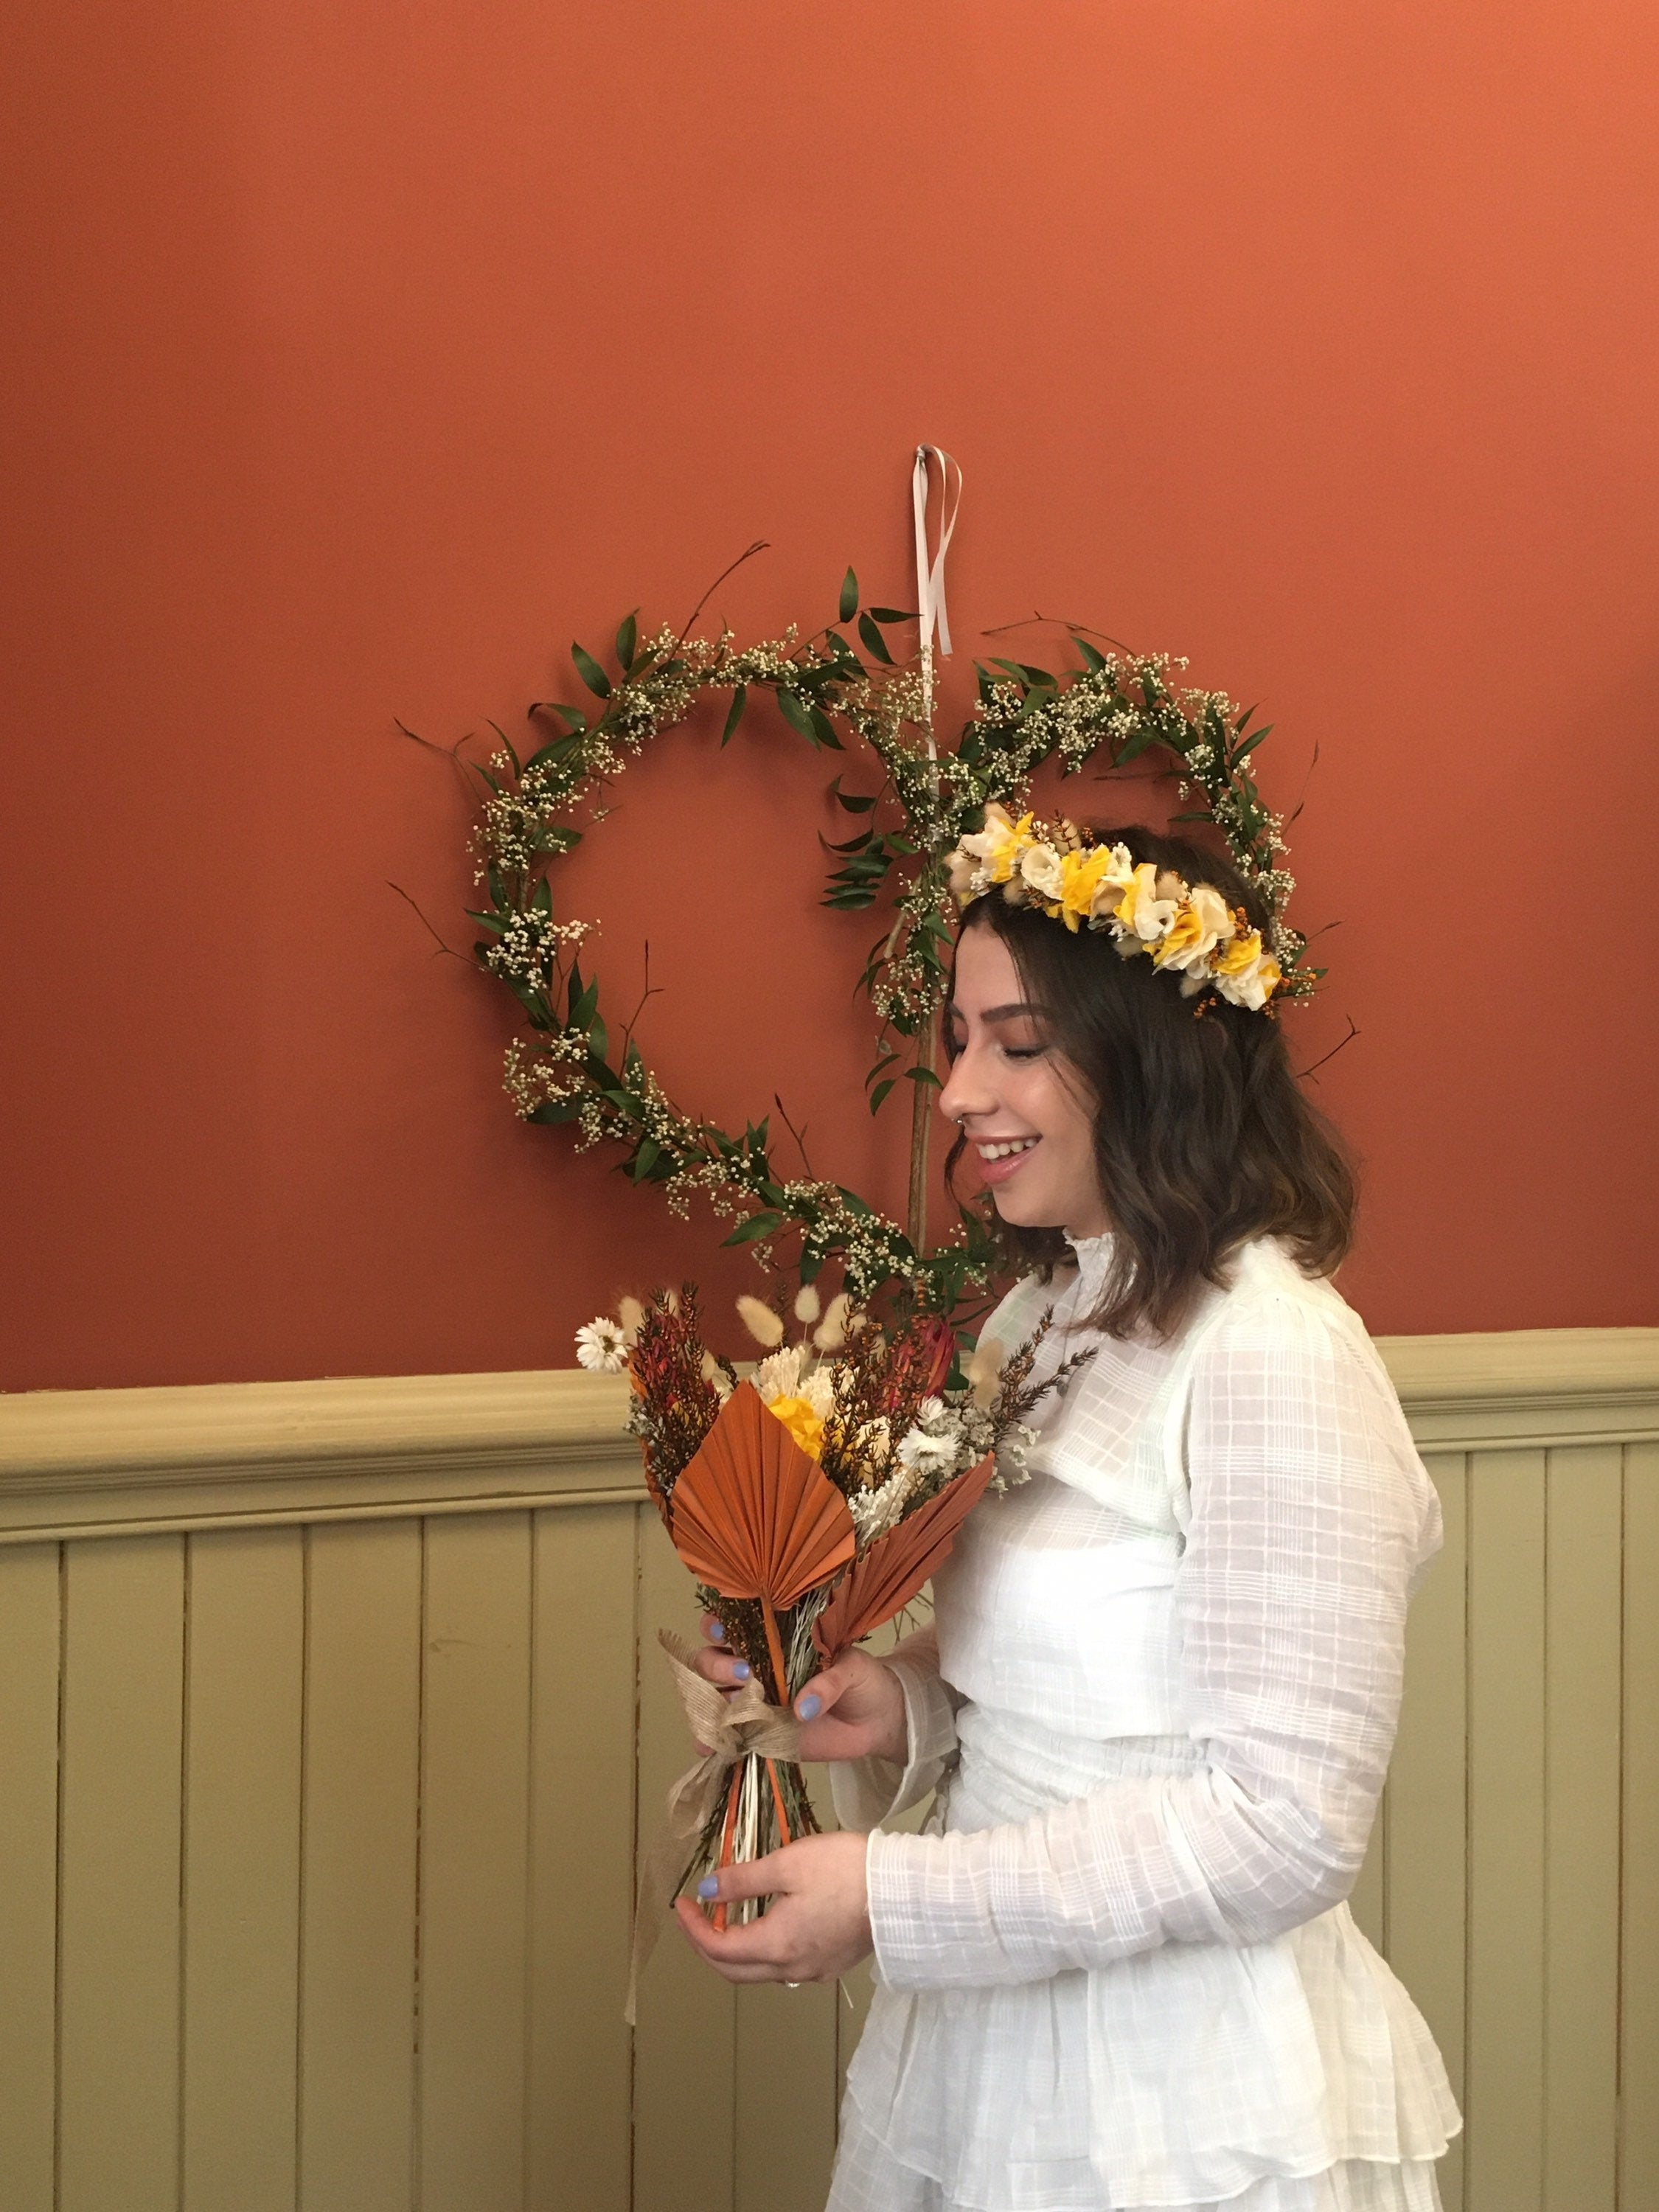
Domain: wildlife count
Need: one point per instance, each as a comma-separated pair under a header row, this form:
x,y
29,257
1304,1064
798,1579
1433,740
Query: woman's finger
x,y
817,1697
714,1628
767,1877
721,1667
737,1954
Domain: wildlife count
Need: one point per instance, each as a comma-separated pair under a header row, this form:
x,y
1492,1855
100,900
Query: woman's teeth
x,y
1002,1152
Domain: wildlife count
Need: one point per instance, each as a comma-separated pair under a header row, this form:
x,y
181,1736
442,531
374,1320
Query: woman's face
x,y
1009,1087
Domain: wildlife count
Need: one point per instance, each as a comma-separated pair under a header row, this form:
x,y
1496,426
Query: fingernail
x,y
740,1670
810,1706
716,1631
708,1887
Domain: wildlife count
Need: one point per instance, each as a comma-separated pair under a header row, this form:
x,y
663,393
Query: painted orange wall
x,y
364,355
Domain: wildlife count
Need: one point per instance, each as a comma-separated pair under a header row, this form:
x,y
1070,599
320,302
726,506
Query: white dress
x,y
1117,1970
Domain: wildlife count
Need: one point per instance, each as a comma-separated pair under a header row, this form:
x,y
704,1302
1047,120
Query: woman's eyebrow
x,y
1021,1010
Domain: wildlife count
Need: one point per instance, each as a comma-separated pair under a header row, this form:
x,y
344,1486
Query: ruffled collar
x,y
1092,1254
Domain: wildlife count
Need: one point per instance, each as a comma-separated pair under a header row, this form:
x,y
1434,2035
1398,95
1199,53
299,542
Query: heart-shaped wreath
x,y
570,1068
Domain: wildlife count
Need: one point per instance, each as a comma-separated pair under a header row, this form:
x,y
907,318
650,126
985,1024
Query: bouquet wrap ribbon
x,y
733,1727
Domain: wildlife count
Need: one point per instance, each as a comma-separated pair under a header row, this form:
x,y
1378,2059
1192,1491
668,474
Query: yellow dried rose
x,y
1200,923
1000,842
1082,877
805,1425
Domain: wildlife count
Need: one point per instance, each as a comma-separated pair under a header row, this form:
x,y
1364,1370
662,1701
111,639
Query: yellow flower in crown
x,y
1086,875
1240,956
803,1423
1000,842
1201,922
1146,911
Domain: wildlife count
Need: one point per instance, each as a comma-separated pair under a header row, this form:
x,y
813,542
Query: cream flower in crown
x,y
1189,929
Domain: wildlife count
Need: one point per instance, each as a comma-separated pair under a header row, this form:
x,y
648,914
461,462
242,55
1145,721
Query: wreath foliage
x,y
566,1066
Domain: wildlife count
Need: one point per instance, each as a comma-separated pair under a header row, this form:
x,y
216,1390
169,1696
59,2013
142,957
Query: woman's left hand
x,y
817,1926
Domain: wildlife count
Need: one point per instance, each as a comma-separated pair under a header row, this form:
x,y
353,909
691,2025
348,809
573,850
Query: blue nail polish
x,y
716,1632
740,1670
810,1706
708,1887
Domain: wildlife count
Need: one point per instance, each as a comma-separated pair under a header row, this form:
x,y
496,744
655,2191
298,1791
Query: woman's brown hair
x,y
1202,1139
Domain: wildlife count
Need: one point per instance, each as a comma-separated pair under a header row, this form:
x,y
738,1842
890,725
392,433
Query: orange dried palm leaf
x,y
753,1515
896,1566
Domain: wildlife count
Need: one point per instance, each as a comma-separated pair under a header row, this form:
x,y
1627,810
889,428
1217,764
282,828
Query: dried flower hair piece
x,y
1187,928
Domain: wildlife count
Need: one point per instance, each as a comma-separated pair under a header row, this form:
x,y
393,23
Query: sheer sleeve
x,y
866,1790
1309,1517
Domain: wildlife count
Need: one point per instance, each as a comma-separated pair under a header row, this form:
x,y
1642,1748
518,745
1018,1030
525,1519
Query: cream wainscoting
x,y
330,1718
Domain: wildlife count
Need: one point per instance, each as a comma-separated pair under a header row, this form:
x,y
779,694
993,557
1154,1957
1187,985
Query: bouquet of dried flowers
x,y
811,1502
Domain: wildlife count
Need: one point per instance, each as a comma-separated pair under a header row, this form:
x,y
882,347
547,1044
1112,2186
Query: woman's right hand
x,y
854,1710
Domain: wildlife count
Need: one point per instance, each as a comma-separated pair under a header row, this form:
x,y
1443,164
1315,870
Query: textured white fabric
x,y
1120,1971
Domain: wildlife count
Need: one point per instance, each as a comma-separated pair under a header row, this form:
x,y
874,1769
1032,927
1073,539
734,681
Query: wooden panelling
x,y
685,2046
357,2112
120,1927
1506,1903
318,1823
579,2138
1427,1804
1582,1711
30,1630
1638,1976
474,1864
241,1869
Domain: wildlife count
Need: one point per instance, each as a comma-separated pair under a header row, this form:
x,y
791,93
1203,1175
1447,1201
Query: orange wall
x,y
366,354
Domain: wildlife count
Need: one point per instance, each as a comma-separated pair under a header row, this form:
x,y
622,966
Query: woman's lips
x,y
996,1171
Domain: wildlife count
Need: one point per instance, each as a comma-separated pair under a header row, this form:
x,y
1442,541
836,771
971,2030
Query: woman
x,y
1158,1697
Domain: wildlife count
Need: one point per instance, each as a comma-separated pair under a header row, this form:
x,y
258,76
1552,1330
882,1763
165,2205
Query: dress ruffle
x,y
1078,2090
1314,2056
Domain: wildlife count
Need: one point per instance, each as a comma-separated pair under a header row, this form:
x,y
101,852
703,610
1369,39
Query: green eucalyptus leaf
x,y
598,1039
591,672
574,716
824,730
874,643
1096,658
796,713
627,634
757,1225
892,614
923,1075
849,596
739,700
851,800
880,1092
555,1110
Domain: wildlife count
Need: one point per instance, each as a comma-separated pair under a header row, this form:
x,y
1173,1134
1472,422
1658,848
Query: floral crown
x,y
1189,929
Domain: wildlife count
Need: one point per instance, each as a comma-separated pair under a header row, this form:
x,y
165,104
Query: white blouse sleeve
x,y
865,1790
1309,1517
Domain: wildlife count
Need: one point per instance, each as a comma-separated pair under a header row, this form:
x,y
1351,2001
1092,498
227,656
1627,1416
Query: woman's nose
x,y
961,1094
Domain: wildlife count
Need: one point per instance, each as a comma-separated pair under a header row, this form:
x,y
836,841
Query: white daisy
x,y
602,1346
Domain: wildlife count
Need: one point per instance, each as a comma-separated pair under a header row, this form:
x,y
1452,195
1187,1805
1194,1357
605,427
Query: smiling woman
x,y
1160,1695
1172,1118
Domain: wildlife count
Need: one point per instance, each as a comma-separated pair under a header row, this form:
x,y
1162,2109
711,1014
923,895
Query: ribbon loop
x,y
930,575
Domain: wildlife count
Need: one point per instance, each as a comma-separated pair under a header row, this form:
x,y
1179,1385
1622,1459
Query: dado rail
x,y
331,1718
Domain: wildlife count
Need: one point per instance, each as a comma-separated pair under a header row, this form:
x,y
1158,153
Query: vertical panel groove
x,y
189,1546
1619,1958
58,1901
418,2113
299,1872
533,1832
